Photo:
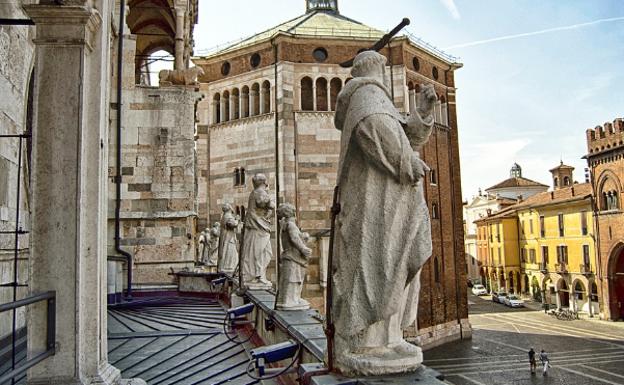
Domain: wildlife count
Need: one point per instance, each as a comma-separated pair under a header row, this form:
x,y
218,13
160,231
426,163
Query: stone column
x,y
70,136
261,104
179,39
252,101
412,101
232,107
329,96
223,110
314,96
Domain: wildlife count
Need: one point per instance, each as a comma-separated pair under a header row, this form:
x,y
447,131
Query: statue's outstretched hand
x,y
427,99
419,168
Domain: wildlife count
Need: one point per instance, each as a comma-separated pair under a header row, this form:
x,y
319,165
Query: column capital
x,y
64,25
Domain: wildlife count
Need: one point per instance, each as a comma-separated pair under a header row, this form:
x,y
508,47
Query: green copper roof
x,y
315,24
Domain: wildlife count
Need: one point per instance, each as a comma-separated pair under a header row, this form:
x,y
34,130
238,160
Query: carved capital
x,y
73,25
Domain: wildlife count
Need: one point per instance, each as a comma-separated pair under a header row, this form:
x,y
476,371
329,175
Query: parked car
x,y
479,290
499,296
513,301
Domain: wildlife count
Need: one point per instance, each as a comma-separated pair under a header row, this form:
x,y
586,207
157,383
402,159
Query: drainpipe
x,y
277,170
118,249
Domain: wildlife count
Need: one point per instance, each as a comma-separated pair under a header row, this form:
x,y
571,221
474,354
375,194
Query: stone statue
x,y
294,261
383,234
228,244
203,245
213,244
185,77
257,252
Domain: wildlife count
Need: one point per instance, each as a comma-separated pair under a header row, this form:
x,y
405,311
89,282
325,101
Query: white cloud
x,y
452,8
527,34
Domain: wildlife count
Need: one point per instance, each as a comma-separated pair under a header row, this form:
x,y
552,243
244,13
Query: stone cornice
x,y
68,25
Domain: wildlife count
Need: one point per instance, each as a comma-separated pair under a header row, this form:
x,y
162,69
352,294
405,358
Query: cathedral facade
x,y
268,107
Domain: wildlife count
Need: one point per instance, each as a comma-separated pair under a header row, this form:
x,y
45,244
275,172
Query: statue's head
x,y
226,208
259,180
369,64
286,210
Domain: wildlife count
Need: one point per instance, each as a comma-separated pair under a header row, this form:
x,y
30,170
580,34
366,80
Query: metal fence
x,y
18,367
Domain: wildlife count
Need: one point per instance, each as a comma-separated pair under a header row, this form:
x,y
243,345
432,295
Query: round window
x,y
225,68
416,64
255,60
320,54
434,72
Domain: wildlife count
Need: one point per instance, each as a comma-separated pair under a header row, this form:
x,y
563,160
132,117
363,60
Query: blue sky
x,y
526,99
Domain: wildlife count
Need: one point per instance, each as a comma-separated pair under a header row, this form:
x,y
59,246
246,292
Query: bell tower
x,y
562,176
322,5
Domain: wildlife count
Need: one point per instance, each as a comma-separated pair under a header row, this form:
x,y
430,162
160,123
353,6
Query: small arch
x,y
216,108
556,182
235,103
410,85
266,97
243,177
434,211
307,94
254,100
335,86
236,176
225,109
566,180
321,94
245,102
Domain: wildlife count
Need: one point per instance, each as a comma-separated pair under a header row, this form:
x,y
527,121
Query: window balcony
x,y
585,269
561,268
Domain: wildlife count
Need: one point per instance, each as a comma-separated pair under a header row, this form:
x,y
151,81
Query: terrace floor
x,y
175,340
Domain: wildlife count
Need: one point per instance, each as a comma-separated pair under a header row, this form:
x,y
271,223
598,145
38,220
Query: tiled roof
x,y
516,182
576,192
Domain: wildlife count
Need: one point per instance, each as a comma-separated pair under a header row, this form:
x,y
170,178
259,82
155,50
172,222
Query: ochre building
x,y
543,246
269,107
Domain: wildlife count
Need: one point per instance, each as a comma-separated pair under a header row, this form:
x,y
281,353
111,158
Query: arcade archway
x,y
616,289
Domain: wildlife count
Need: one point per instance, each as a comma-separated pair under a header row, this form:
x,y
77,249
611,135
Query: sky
x,y
536,75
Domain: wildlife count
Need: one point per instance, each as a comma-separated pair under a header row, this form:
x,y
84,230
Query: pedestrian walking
x,y
532,361
545,362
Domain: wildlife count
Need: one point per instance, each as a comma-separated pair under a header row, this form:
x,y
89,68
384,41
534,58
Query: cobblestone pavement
x,y
581,352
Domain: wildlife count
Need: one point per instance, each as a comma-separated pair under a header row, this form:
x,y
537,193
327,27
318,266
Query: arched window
x,y
411,96
436,270
321,94
335,86
216,108
307,95
433,177
235,104
245,102
242,176
556,182
236,176
434,211
443,111
566,181
579,290
266,97
594,292
225,107
254,100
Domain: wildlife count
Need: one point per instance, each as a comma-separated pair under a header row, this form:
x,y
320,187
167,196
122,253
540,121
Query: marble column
x,y
252,102
179,39
70,136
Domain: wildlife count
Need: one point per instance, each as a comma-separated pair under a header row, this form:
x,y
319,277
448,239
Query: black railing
x,y
18,370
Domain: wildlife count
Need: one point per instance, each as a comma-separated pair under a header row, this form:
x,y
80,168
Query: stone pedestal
x,y
69,190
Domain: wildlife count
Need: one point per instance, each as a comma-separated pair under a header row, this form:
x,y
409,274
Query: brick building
x,y
268,107
605,159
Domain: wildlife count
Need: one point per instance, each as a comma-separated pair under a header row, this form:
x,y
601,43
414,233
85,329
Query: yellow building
x,y
544,246
498,254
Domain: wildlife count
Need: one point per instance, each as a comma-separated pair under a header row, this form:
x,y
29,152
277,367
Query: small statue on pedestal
x,y
213,245
383,234
294,261
257,252
202,245
228,244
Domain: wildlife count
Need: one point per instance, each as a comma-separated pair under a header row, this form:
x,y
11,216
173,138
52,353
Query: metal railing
x,y
585,268
561,267
18,370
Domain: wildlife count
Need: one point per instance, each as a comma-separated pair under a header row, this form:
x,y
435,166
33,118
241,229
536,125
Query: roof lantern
x,y
516,171
322,5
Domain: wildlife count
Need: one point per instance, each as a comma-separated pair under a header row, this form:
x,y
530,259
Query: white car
x,y
513,301
479,290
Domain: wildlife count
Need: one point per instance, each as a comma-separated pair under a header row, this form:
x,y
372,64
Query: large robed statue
x,y
383,234
257,252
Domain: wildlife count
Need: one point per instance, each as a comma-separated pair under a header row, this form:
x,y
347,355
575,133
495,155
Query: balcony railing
x,y
16,370
544,267
561,267
585,268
